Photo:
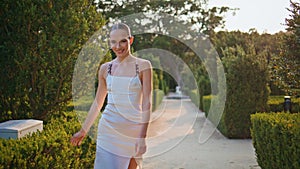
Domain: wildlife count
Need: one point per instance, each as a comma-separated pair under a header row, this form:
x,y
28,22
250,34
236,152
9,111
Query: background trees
x,y
194,12
285,68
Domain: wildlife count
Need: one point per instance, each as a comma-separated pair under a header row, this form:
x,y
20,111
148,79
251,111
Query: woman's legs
x,y
132,164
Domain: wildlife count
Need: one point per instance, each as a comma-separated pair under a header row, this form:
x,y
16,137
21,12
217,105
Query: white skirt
x,y
108,160
116,141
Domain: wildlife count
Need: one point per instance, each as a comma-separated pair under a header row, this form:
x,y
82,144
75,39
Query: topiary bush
x,y
206,103
50,148
194,96
247,91
157,98
276,138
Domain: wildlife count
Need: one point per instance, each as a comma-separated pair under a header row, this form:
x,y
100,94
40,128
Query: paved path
x,y
173,143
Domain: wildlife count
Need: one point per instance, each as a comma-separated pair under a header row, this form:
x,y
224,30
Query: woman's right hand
x,y
77,138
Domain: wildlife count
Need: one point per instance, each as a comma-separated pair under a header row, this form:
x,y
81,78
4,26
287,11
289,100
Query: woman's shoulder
x,y
104,68
144,63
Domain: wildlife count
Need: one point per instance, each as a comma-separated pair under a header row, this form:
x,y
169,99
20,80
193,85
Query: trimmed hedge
x,y
276,138
194,96
50,148
196,100
157,98
206,103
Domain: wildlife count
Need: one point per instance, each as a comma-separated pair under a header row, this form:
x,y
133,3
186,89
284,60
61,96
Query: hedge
x,y
275,104
194,96
157,98
50,148
246,88
276,139
206,103
196,100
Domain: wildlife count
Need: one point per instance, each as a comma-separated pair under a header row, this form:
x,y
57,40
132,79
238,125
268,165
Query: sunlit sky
x,y
263,15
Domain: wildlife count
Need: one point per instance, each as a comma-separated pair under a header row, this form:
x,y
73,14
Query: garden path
x,y
173,144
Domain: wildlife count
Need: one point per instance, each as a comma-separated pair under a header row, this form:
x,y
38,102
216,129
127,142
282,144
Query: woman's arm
x,y
99,100
146,107
95,108
147,97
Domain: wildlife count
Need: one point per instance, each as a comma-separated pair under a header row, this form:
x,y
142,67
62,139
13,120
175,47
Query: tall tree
x,y
285,70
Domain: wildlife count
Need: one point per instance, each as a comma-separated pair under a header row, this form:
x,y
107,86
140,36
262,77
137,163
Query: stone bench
x,y
16,129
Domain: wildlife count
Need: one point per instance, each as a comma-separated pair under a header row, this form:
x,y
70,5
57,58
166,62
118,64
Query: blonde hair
x,y
122,26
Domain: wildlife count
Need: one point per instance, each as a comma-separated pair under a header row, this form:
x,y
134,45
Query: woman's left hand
x,y
140,147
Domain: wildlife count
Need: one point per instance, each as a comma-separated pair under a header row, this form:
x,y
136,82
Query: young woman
x,y
123,125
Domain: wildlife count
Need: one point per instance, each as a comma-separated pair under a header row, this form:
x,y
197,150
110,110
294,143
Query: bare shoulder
x,y
144,64
103,69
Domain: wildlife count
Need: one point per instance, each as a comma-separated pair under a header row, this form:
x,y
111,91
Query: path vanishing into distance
x,y
174,141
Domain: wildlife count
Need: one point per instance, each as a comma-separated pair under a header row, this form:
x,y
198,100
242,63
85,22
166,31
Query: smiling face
x,y
120,42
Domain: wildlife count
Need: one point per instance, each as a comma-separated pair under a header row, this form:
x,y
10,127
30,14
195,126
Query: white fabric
x,y
107,160
119,126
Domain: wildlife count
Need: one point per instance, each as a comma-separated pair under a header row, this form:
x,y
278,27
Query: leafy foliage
x,y
286,72
269,46
157,98
247,91
40,41
262,43
190,11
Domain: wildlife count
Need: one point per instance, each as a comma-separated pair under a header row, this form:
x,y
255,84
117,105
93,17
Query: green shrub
x,y
194,96
247,91
276,138
40,42
157,98
50,148
206,103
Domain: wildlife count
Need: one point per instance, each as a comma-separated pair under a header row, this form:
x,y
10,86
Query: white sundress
x,y
120,123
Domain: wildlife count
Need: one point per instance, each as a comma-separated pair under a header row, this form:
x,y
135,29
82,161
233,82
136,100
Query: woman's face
x,y
120,42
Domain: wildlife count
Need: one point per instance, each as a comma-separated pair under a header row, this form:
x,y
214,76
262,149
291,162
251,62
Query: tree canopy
x,y
285,70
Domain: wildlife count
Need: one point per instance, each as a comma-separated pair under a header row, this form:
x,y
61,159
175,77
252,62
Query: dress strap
x,y
109,68
137,71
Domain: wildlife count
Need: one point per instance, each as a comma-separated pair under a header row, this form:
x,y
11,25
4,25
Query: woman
x,y
123,125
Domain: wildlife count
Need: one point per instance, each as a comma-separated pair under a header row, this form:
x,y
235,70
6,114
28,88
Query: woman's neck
x,y
127,58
